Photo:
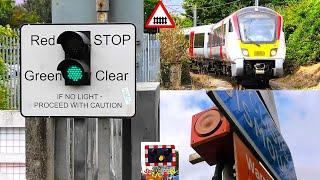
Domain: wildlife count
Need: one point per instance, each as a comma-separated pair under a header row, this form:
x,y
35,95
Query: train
x,y
248,44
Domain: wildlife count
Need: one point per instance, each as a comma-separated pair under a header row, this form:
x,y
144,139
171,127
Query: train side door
x,y
221,35
210,44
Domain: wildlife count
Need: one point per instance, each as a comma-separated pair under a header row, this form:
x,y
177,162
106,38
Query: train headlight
x,y
245,52
273,52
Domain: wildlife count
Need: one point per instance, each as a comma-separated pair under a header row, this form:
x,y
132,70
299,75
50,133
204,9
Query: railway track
x,y
243,85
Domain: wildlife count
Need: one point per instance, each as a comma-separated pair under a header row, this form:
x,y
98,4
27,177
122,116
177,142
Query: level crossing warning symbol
x,y
160,18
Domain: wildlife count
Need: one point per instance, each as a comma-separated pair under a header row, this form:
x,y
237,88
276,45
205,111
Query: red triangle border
x,y
167,14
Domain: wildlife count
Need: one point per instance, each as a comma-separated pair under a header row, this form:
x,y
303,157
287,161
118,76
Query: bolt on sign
x,y
247,165
160,18
248,114
78,70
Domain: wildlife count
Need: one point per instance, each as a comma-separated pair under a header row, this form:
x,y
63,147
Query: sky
x,y
173,6
299,116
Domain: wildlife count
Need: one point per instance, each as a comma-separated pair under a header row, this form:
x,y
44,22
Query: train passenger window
x,y
224,27
199,40
216,38
230,26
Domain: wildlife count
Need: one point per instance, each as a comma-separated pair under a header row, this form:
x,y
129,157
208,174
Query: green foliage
x,y
183,21
6,9
32,11
302,30
22,16
4,31
42,8
149,5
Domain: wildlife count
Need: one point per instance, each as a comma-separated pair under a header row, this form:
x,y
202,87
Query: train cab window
x,y
230,26
199,40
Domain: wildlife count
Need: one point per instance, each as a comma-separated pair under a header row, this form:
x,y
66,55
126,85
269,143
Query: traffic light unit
x,y
75,68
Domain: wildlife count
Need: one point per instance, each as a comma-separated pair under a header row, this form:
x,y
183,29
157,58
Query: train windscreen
x,y
257,27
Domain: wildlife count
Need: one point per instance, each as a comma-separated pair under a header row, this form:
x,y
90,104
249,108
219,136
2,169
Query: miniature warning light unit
x,y
75,68
160,155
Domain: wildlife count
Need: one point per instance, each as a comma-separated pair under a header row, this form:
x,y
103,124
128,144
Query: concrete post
x,y
36,152
145,125
130,11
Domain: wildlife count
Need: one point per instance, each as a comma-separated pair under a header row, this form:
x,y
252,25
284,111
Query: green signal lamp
x,y
74,73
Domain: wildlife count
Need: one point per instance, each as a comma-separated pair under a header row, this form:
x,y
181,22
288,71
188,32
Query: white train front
x,y
249,43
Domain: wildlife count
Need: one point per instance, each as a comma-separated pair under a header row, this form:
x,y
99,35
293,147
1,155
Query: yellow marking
x,y
263,50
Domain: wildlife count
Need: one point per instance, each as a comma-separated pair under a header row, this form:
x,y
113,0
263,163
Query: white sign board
x,y
112,92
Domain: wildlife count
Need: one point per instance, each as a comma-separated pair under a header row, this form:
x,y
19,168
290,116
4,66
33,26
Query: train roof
x,y
200,29
250,9
255,9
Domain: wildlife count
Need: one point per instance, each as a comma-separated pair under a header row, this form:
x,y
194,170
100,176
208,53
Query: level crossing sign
x,y
248,114
78,70
160,18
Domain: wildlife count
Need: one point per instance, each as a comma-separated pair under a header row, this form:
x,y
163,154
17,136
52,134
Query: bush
x,y
4,31
302,30
173,51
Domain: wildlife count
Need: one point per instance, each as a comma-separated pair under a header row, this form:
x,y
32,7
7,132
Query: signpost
x,y
248,114
111,89
160,18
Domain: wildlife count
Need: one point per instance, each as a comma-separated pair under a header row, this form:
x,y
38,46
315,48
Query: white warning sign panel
x,y
160,18
112,89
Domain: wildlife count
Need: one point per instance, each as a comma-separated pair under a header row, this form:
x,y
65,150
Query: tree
x,y
149,5
15,16
6,9
40,7
182,21
21,16
302,30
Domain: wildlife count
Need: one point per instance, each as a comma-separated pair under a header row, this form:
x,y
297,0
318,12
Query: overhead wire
x,y
204,7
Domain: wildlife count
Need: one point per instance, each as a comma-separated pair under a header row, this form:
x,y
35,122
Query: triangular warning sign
x,y
160,18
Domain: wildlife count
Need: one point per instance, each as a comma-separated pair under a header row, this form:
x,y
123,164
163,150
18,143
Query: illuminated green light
x,y
74,73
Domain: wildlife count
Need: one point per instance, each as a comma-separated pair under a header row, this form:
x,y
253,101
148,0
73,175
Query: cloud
x,y
299,114
176,110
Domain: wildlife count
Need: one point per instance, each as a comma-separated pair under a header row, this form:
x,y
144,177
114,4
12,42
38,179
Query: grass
x,y
306,77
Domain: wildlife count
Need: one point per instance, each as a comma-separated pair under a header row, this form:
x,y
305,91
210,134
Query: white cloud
x,y
299,116
177,108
